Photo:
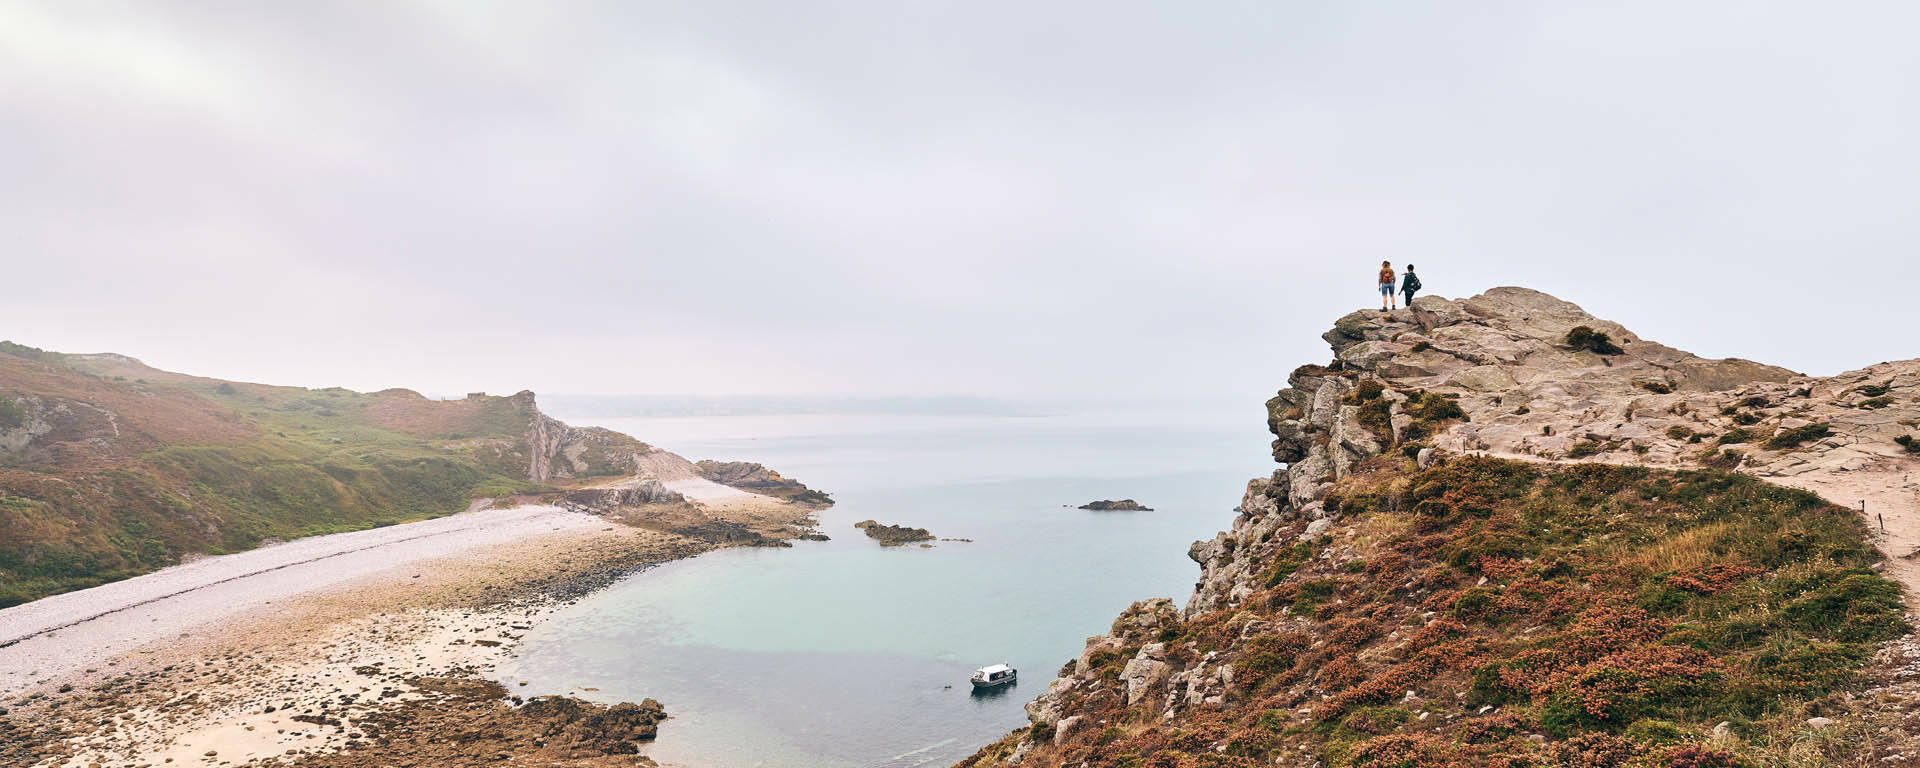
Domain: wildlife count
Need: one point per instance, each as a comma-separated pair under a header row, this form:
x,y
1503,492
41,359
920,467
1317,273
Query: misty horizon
x,y
750,198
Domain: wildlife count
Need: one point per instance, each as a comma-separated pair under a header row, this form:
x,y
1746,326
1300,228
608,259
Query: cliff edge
x,y
1509,533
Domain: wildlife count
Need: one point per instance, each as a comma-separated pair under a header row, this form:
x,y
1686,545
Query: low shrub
x,y
1587,339
1721,459
1287,560
11,414
1656,732
1735,436
1431,413
1375,410
1654,604
1793,438
1312,593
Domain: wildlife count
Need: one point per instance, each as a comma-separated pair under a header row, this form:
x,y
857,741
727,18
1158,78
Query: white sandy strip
x,y
79,630
707,491
683,477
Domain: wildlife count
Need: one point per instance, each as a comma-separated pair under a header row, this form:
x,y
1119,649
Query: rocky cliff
x,y
1430,579
757,478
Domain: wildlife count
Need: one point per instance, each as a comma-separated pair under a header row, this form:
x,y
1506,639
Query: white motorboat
x,y
994,676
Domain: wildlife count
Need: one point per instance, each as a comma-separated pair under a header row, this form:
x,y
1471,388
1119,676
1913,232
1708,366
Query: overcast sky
x,y
972,197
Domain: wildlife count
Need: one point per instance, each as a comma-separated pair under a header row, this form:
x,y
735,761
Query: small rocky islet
x,y
1123,505
893,535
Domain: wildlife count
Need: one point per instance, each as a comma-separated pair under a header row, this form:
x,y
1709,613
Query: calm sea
x,y
842,653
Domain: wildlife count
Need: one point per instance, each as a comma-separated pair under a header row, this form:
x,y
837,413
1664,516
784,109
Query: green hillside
x,y
110,468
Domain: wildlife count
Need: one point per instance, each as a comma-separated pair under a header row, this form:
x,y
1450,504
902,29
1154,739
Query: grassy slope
x,y
1623,613
189,464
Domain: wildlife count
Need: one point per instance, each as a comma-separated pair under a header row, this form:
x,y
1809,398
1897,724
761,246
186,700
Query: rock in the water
x,y
893,535
1123,505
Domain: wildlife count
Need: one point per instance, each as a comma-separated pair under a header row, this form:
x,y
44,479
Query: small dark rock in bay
x,y
893,535
1123,505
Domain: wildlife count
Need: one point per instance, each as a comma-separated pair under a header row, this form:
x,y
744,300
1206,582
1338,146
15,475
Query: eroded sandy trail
x,y
1892,514
59,635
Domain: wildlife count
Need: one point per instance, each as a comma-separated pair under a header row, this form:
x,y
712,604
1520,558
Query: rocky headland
x,y
1123,505
750,476
1506,532
110,468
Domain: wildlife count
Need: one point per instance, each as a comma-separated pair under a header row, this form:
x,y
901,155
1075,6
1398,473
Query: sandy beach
x,y
365,648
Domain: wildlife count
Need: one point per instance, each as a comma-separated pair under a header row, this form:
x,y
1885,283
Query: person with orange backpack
x,y
1386,286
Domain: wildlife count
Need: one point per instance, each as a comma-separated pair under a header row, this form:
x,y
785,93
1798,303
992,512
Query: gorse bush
x,y
12,416
1585,448
1586,338
1375,410
1430,412
1793,438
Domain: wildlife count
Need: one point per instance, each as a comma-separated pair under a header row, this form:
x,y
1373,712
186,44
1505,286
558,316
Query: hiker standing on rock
x,y
1386,286
1409,284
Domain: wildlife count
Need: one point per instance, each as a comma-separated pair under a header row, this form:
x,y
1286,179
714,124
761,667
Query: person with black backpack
x,y
1409,284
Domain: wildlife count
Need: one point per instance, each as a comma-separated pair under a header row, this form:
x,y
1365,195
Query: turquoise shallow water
x,y
843,653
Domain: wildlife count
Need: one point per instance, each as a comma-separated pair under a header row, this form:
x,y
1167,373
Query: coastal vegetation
x,y
1586,338
110,469
1491,612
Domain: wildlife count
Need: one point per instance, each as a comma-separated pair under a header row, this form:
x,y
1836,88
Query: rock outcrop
x,y
757,478
597,501
893,535
1509,373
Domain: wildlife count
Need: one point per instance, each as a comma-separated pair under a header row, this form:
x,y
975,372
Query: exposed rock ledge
x,y
599,501
757,478
893,535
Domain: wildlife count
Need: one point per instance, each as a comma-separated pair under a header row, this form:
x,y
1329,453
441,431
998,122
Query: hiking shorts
x,y
1386,289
